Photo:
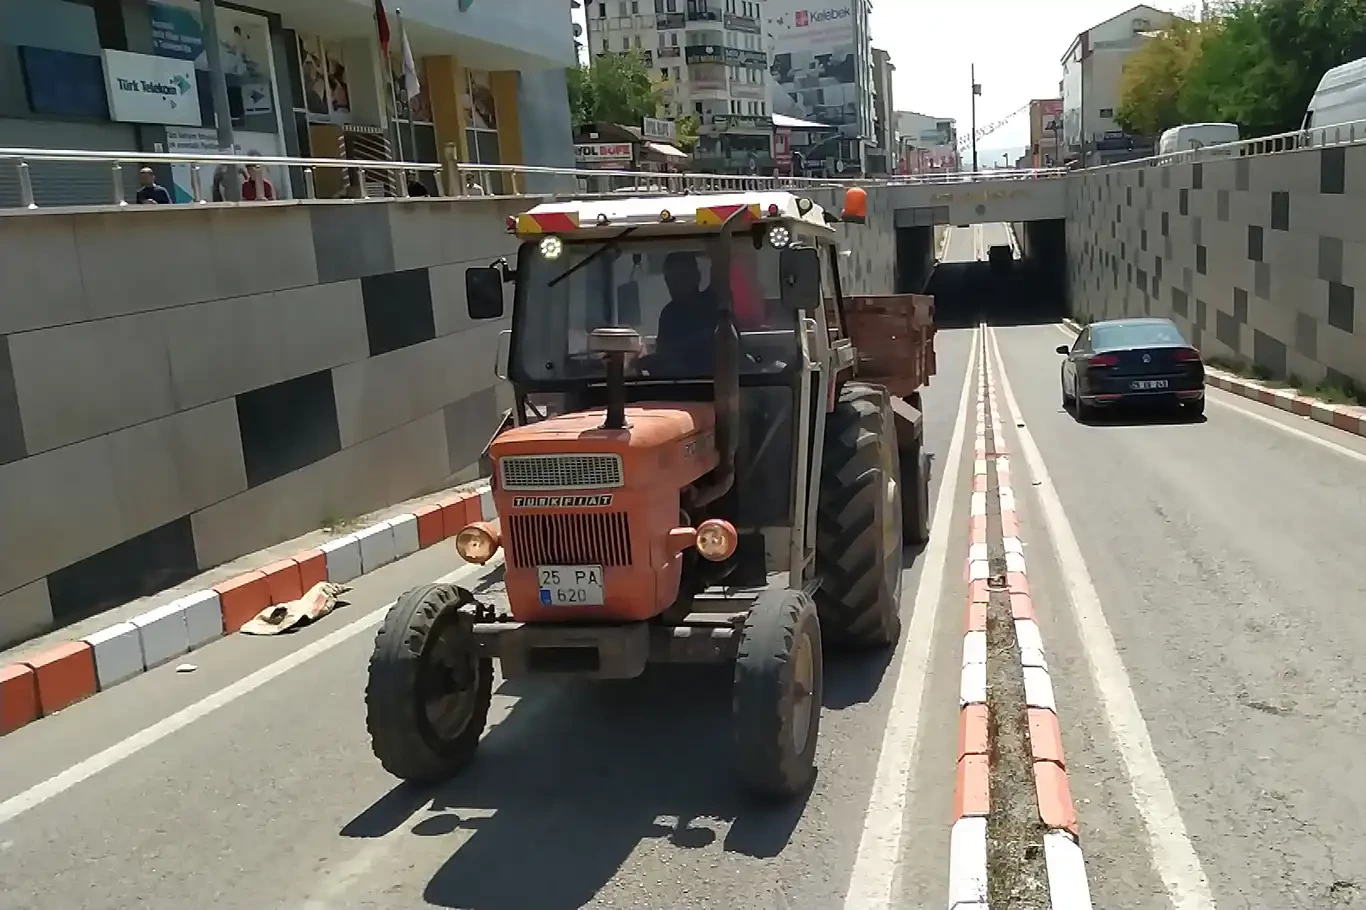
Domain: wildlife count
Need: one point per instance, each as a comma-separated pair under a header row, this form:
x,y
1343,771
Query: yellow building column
x,y
505,84
445,87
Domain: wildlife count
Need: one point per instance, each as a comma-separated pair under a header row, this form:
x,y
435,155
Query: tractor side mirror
x,y
799,277
484,291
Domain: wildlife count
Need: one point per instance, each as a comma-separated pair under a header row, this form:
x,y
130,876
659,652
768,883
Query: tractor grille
x,y
569,539
560,472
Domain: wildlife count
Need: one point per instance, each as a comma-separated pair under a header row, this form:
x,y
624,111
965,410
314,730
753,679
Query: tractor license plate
x,y
570,586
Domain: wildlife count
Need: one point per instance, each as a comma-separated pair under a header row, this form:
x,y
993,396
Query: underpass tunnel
x,y
915,258
967,288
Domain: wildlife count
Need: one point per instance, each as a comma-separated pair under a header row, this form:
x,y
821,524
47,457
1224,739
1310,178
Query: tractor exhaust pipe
x,y
614,344
725,378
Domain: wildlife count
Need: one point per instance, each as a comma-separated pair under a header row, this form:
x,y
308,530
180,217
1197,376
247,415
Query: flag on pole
x,y
382,26
411,85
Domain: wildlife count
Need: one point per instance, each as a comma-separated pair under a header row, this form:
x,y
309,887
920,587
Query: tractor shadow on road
x,y
580,776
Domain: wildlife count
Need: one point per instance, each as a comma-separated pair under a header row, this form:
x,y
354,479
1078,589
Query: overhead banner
x,y
815,65
147,89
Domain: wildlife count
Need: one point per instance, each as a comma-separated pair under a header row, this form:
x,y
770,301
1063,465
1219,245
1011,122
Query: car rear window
x,y
1135,335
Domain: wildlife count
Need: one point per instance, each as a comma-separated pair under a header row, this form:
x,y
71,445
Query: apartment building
x,y
709,62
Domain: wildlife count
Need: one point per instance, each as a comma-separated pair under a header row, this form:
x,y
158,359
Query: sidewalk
x,y
45,674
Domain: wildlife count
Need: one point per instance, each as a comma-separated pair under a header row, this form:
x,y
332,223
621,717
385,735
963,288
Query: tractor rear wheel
x,y
428,693
776,697
859,529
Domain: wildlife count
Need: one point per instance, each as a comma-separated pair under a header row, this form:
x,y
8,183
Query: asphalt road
x,y
1222,559
593,795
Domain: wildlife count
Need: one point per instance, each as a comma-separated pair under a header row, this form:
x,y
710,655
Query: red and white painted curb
x,y
71,671
1343,417
1067,883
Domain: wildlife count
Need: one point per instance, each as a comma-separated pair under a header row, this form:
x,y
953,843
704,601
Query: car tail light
x,y
1187,355
1103,360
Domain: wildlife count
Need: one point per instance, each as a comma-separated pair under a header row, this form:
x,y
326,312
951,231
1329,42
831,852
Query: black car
x,y
1132,360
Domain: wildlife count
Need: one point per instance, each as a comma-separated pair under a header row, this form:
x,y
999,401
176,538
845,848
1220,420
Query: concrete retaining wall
x,y
1259,258
180,386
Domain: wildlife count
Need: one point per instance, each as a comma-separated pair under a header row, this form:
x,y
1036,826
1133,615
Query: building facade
x,y
302,78
1045,133
925,143
822,71
1091,71
883,158
709,62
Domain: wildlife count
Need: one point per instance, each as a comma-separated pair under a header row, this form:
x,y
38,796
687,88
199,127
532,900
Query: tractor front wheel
x,y
776,698
428,693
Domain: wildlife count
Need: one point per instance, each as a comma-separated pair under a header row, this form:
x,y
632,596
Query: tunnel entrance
x,y
967,289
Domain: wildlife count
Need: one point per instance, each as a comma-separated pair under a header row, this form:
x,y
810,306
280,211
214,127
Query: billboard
x,y
814,65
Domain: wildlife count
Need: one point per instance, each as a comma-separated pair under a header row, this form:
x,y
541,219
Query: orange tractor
x,y
714,455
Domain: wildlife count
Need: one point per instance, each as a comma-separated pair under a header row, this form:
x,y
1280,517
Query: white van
x,y
1340,97
1196,135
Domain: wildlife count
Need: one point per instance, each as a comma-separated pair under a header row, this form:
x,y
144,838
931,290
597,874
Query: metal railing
x,y
455,180
1339,134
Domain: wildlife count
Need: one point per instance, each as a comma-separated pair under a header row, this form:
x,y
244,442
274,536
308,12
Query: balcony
x,y
669,53
742,24
730,56
647,56
750,90
669,20
705,15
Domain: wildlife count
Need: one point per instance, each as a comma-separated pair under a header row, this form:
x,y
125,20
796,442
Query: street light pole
x,y
976,90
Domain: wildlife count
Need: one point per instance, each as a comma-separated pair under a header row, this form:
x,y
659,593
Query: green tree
x,y
686,128
1150,85
1237,78
616,89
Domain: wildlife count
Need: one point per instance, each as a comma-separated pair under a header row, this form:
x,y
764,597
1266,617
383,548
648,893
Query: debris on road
x,y
320,600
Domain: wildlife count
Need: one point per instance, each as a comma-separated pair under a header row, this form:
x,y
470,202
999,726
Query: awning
x,y
782,121
668,151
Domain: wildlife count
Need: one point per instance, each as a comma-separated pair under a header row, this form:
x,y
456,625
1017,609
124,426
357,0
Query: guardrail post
x,y
364,188
25,186
196,184
310,188
117,173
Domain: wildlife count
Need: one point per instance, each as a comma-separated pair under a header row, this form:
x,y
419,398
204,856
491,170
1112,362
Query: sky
x,y
1017,48
1016,45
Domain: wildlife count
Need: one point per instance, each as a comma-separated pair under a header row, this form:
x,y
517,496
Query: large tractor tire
x,y
915,493
428,693
776,697
859,522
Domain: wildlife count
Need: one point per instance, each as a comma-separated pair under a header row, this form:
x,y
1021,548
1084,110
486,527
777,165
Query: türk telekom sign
x,y
602,151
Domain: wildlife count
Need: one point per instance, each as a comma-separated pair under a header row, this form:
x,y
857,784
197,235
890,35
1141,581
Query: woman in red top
x,y
249,185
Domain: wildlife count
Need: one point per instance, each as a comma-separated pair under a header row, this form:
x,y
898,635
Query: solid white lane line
x,y
1174,855
81,771
1245,407
873,878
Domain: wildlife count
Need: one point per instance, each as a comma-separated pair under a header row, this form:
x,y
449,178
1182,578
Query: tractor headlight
x,y
716,539
551,247
477,543
779,237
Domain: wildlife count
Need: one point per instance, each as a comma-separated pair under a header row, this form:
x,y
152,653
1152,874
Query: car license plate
x,y
570,586
1144,385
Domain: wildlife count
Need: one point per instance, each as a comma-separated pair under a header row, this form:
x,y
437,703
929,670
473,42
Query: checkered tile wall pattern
x,y
1257,258
180,387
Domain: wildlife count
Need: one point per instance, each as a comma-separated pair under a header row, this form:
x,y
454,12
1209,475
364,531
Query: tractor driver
x,y
687,324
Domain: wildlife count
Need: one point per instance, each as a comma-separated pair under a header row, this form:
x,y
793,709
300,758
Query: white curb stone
x,y
118,654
